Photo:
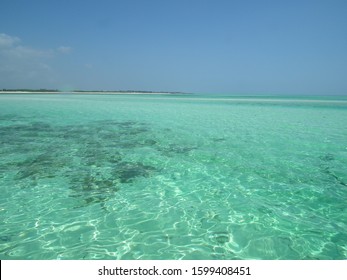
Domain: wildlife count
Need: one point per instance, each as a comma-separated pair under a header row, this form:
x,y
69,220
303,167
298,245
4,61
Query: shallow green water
x,y
170,177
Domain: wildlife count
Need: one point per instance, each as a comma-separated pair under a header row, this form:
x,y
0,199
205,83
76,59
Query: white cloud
x,y
8,41
24,66
64,50
23,52
11,47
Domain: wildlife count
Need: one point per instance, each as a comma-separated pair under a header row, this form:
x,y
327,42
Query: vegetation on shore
x,y
87,91
30,90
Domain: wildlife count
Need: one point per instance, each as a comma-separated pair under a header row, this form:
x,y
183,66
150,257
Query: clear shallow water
x,y
170,177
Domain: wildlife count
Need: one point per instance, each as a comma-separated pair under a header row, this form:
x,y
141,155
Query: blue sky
x,y
216,46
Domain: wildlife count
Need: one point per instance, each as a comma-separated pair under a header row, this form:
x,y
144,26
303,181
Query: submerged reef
x,y
90,158
93,159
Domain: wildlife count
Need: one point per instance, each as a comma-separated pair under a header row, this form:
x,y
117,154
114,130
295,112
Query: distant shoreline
x,y
91,92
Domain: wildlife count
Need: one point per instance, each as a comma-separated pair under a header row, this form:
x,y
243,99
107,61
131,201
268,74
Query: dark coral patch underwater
x,y
93,165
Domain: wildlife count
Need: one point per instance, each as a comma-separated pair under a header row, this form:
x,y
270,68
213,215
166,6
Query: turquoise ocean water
x,y
172,177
